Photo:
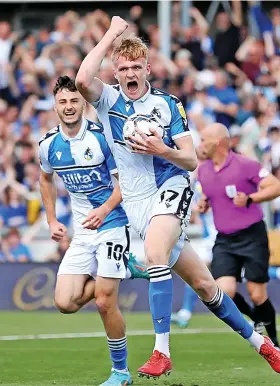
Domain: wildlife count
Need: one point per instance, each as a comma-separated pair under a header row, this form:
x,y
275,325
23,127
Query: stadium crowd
x,y
221,72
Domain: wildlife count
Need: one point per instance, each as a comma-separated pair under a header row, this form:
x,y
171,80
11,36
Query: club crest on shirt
x,y
156,112
88,155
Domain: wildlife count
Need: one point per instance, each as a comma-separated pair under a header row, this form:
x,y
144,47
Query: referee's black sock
x,y
266,313
243,306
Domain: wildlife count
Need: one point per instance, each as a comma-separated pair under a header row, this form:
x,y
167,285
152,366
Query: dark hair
x,y
64,82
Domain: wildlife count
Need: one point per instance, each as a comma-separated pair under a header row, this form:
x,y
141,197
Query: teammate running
x,y
78,152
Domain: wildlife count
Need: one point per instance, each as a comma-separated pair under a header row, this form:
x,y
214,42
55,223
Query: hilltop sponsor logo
x,y
76,178
79,181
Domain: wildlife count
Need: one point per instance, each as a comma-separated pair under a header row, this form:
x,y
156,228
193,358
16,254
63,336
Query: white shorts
x,y
173,197
104,254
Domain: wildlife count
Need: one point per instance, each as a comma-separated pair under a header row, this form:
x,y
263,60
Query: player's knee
x,y
227,288
156,257
258,297
204,288
104,303
229,291
65,305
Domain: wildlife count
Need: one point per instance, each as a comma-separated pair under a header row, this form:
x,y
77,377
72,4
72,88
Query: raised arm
x,y
242,52
268,44
236,15
86,81
200,20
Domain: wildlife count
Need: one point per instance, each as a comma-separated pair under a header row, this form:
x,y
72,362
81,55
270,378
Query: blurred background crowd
x,y
226,69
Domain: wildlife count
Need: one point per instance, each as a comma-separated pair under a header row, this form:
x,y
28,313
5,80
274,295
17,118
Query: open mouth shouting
x,y
132,86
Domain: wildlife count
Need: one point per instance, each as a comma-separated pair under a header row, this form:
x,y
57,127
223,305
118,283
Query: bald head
x,y
214,138
217,131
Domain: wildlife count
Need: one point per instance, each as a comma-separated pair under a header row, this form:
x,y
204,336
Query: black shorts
x,y
246,251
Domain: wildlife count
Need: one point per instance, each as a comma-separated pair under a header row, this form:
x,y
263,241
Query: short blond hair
x,y
131,49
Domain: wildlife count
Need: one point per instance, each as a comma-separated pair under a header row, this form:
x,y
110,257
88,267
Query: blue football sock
x,y
160,297
224,308
118,353
190,298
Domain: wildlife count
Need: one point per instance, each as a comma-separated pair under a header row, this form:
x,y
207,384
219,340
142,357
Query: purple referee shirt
x,y
240,172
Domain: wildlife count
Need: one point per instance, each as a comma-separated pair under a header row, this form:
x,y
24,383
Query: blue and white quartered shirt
x,y
141,175
85,164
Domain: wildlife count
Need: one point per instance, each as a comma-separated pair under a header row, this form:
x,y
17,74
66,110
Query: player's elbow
x,y
192,165
81,82
277,189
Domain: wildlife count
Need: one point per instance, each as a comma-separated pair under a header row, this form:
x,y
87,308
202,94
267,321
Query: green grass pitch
x,y
205,358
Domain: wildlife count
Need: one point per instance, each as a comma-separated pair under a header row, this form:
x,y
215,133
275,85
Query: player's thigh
x,y
69,288
169,217
162,235
194,272
112,252
106,293
77,266
257,292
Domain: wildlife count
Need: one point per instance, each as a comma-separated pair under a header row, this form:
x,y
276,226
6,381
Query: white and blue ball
x,y
142,122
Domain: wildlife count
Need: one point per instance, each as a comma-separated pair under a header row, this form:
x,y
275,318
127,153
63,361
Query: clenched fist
x,y
118,26
58,230
203,205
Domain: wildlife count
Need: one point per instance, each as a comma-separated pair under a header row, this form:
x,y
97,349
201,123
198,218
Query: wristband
x,y
249,201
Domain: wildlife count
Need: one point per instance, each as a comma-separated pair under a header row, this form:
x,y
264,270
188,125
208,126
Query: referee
x,y
234,186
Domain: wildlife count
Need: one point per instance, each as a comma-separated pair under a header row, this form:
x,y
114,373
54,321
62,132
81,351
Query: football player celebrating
x,y
155,186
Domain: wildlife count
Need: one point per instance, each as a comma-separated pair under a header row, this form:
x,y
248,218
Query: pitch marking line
x,y
71,335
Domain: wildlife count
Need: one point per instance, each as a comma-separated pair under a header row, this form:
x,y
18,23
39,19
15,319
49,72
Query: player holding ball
x,y
154,181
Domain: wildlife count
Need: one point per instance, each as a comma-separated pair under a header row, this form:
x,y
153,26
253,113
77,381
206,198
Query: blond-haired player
x,y
154,182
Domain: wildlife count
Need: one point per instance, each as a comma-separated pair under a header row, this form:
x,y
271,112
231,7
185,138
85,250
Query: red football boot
x,y
157,365
271,354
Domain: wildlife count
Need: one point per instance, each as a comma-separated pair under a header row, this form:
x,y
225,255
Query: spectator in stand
x,y
60,251
14,250
274,136
224,100
269,25
227,39
13,211
5,49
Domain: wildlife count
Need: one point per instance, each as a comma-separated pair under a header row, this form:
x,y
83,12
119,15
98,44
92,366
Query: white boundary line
x,y
71,335
74,335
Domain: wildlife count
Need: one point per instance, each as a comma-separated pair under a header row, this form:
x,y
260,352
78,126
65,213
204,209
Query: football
x,y
142,122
